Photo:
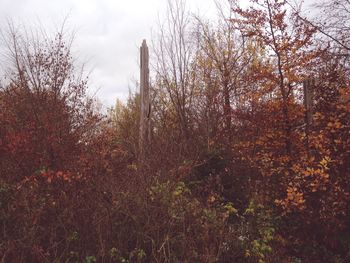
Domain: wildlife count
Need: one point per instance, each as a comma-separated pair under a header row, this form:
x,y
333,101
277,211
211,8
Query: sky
x,y
108,34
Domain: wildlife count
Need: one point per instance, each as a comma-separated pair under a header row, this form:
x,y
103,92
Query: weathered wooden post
x,y
145,106
308,99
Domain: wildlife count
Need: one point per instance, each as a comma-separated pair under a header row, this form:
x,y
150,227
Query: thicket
x,y
236,171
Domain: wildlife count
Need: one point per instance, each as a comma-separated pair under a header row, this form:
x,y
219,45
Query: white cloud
x,y
109,33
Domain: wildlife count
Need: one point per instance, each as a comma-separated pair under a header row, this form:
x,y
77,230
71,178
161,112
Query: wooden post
x,y
145,106
308,99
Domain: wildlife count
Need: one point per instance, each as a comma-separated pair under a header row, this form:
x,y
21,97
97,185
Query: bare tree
x,y
173,51
332,21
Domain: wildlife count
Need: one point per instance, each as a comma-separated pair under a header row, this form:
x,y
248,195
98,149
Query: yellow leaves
x,y
230,209
177,193
324,162
180,189
250,209
132,167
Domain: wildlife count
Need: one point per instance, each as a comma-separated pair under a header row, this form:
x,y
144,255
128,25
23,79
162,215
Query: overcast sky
x,y
108,34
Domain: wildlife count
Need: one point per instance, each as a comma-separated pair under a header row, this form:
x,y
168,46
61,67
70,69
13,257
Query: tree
x,y
47,119
331,22
222,60
173,52
298,173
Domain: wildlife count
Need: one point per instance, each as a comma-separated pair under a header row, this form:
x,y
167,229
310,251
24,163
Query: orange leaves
x,y
307,178
333,125
63,176
52,176
294,201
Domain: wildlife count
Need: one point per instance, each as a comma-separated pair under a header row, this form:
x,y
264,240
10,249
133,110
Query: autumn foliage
x,y
249,159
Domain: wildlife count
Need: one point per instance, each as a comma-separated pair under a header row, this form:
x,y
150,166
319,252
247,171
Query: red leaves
x,y
59,176
16,142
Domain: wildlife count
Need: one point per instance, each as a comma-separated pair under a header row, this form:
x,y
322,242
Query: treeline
x,y
248,160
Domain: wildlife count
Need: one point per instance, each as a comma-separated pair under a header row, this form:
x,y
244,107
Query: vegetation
x,y
239,169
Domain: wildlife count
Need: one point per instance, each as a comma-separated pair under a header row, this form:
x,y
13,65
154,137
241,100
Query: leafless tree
x,y
173,51
331,21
